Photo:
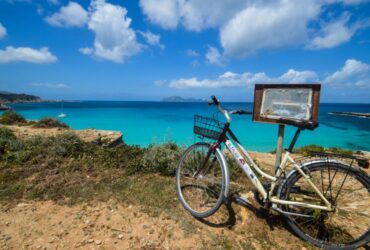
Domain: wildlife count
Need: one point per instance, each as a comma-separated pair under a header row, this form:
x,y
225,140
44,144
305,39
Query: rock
x,y
120,236
90,241
98,242
7,237
22,204
145,226
151,231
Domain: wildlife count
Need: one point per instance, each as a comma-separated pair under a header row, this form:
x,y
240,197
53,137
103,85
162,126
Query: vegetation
x,y
66,168
307,150
162,158
49,122
12,118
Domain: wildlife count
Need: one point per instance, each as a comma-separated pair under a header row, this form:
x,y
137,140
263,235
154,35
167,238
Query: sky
x,y
152,49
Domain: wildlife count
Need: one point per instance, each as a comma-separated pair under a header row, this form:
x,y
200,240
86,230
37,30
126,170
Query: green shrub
x,y
162,158
306,150
48,122
6,138
6,134
65,145
340,151
11,118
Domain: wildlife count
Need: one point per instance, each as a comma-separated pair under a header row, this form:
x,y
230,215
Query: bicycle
x,y
325,201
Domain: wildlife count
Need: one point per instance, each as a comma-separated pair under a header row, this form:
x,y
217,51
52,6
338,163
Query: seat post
x,y
279,146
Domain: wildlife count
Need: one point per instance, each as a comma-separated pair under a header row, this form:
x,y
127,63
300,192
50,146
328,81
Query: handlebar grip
x,y
215,100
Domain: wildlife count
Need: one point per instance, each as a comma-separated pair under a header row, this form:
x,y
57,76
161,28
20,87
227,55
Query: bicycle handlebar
x,y
225,112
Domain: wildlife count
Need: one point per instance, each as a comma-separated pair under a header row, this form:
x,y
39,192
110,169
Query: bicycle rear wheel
x,y
201,180
346,188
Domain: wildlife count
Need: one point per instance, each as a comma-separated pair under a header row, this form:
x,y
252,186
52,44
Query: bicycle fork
x,y
204,165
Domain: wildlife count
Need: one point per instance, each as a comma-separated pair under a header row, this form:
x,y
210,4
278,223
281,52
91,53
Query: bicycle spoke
x,y
200,180
350,197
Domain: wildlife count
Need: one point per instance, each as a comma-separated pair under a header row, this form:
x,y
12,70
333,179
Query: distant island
x,y
7,97
181,99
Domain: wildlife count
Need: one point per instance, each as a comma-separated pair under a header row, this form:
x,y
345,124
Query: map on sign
x,y
288,103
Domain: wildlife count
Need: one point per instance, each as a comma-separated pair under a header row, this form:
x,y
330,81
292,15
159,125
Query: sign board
x,y
298,103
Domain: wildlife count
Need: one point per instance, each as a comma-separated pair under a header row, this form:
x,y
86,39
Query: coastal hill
x,y
7,97
181,99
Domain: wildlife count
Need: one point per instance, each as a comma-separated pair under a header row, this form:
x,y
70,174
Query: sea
x,y
144,123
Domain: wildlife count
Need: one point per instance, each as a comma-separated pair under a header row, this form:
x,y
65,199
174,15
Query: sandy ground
x,y
46,225
108,225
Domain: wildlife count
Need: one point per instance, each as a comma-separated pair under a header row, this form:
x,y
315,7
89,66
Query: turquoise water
x,y
143,123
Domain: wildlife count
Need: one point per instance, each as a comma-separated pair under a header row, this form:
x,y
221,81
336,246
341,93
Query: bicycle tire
x,y
219,189
291,189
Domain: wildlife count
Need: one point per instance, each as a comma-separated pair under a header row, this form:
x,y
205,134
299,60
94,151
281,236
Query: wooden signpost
x,y
293,104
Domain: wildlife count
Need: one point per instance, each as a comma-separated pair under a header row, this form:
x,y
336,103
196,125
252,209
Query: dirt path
x,y
110,225
46,225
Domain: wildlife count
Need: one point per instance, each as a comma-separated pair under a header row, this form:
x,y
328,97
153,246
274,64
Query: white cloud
x,y
194,15
152,39
50,85
353,74
274,25
214,57
159,82
24,54
162,12
86,51
230,79
248,26
72,15
2,31
335,33
192,53
294,76
114,39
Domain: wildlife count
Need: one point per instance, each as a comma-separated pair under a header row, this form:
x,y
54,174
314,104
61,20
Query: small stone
x,y
90,241
151,231
120,236
23,204
7,237
98,242
145,226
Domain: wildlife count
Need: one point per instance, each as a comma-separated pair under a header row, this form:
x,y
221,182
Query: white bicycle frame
x,y
243,163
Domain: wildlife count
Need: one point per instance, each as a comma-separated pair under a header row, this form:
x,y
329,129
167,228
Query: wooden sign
x,y
276,103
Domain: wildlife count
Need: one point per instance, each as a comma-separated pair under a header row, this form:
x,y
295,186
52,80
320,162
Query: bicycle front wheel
x,y
201,180
346,188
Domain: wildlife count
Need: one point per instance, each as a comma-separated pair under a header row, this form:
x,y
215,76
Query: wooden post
x,y
279,146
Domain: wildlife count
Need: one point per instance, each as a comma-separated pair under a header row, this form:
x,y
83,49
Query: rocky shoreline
x,y
106,138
